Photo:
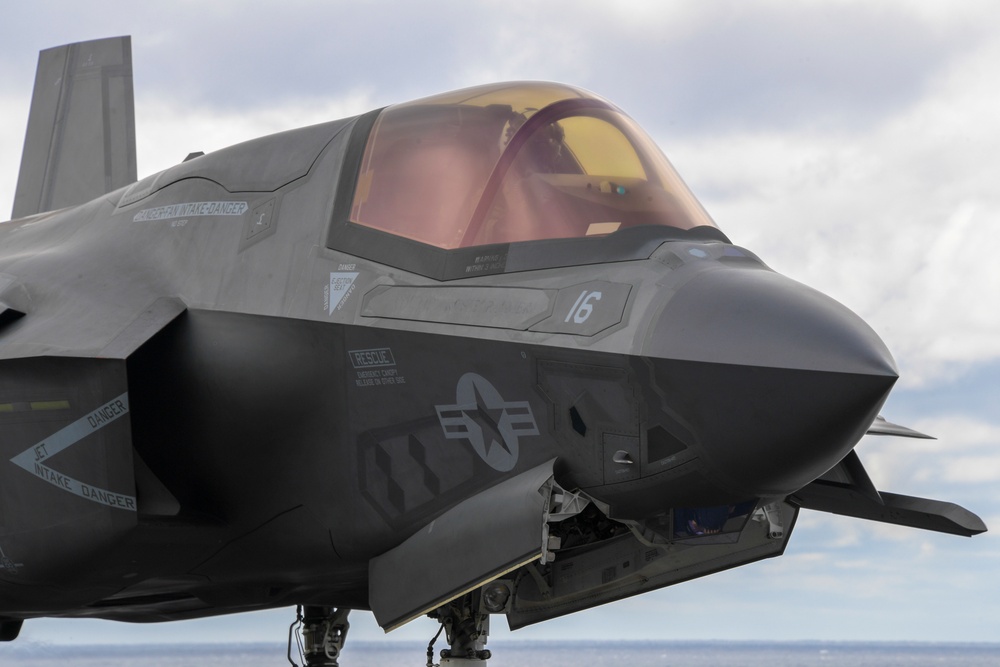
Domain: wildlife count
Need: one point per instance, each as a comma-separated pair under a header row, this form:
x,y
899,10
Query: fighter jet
x,y
479,353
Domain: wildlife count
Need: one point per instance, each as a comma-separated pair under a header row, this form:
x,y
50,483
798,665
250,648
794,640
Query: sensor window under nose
x,y
699,522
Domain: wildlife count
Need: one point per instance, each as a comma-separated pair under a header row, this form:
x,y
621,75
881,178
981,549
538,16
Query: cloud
x,y
973,470
738,67
167,132
885,219
964,463
14,110
702,68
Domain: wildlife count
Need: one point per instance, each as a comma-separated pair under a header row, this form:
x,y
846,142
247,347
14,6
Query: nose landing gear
x,y
466,625
320,633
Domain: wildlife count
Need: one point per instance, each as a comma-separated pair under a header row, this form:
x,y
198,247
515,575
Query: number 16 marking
x,y
583,307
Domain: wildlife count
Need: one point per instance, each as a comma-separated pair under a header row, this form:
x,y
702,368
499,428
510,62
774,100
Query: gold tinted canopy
x,y
515,162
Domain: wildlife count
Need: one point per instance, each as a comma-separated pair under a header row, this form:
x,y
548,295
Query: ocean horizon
x,y
517,653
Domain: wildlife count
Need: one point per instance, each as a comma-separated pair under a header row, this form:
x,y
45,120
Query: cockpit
x,y
513,162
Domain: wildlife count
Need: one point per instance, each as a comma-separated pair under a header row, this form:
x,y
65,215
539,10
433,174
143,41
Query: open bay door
x,y
481,539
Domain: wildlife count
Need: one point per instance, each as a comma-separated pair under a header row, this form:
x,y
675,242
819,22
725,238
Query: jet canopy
x,y
515,162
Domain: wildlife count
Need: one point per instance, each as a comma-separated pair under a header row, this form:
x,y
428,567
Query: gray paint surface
x,y
298,414
80,141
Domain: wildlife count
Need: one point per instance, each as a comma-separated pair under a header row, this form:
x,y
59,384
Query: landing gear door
x,y
631,563
480,539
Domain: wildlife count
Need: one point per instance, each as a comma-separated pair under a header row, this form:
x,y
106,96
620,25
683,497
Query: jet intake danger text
x,y
106,413
191,210
33,458
102,496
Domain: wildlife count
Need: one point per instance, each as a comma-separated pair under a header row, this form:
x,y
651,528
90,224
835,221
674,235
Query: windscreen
x,y
515,162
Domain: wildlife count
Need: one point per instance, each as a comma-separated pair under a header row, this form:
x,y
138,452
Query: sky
x,y
852,145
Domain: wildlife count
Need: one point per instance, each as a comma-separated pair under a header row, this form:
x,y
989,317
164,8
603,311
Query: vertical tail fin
x,y
80,142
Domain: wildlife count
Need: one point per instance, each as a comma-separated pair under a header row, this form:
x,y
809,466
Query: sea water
x,y
520,654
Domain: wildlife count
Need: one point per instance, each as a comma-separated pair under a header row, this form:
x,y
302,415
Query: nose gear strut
x,y
466,626
320,633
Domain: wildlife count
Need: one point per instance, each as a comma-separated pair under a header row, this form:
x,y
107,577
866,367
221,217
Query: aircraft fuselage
x,y
483,349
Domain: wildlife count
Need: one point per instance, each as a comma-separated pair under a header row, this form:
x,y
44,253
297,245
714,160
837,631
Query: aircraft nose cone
x,y
776,381
761,318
